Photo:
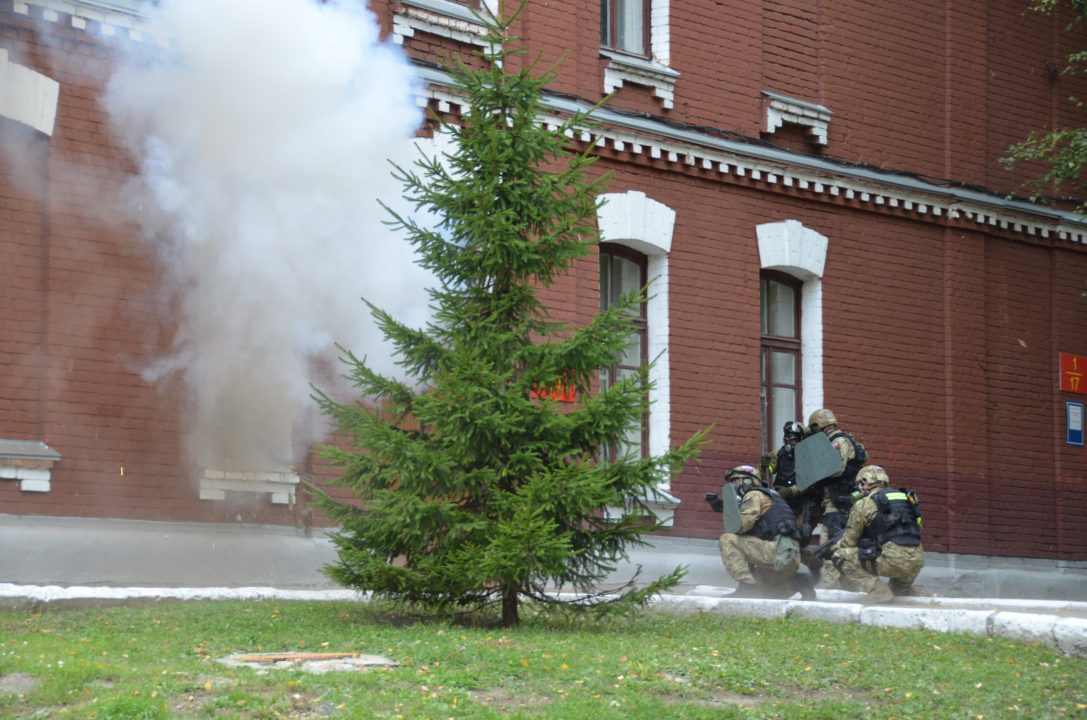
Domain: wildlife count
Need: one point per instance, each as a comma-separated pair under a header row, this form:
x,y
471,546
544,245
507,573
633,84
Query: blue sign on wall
x,y
1075,423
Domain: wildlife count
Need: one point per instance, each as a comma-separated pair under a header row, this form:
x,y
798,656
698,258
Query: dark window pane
x,y
605,281
605,22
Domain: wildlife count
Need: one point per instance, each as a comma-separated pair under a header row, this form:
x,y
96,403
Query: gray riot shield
x,y
731,509
816,459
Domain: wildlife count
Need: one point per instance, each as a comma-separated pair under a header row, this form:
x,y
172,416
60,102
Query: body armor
x,y
778,520
785,472
897,520
785,476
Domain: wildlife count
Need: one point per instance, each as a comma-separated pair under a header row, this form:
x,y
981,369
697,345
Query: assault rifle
x,y
823,552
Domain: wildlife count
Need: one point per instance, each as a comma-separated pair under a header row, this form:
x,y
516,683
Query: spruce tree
x,y
468,487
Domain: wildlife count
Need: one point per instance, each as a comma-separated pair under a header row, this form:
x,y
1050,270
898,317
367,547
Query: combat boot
x,y
816,570
903,590
803,585
746,590
880,595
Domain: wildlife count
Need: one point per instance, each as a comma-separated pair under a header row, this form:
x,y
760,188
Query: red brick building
x,y
814,189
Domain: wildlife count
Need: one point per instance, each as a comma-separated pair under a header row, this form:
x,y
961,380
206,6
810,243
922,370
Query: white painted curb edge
x,y
1067,634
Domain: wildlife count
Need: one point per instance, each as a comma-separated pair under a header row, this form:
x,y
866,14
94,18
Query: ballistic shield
x,y
816,459
731,509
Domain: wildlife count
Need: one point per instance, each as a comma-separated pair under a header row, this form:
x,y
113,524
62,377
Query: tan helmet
x,y
873,474
822,418
747,475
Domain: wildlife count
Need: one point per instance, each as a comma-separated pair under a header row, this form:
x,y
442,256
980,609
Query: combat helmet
x,y
747,475
873,474
821,418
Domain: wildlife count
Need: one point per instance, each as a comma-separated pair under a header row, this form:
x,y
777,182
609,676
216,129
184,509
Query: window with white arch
x,y
642,228
795,256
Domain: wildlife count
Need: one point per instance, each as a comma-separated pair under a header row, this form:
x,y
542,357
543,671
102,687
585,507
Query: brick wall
x,y
83,309
23,160
940,339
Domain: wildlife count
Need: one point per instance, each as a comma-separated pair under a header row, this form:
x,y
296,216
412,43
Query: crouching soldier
x,y
764,555
882,537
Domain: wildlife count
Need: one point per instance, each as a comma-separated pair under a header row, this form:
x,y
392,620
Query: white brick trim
x,y
117,18
27,96
625,68
659,32
719,159
441,18
30,479
791,248
279,485
640,223
782,109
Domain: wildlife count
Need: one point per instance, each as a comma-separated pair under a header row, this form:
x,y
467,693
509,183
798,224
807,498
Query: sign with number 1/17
x,y
1073,373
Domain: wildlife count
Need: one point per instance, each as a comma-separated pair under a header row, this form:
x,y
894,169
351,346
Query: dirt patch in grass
x,y
836,694
502,701
17,684
289,706
795,694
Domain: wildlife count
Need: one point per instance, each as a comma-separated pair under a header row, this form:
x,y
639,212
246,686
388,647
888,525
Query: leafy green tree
x,y
468,489
1063,150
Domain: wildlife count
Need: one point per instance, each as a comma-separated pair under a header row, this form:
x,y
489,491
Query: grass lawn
x,y
151,663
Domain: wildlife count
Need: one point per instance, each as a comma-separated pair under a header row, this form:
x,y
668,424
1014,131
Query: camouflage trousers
x,y
751,560
832,578
900,564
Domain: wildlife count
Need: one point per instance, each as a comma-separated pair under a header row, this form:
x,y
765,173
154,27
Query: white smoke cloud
x,y
264,135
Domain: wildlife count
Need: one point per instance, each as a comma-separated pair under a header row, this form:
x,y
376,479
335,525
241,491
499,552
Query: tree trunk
x,y
510,618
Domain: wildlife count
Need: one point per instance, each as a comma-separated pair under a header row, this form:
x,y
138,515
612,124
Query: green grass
x,y
153,663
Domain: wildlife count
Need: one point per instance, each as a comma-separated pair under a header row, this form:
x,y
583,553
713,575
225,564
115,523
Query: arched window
x,y
779,301
623,271
792,256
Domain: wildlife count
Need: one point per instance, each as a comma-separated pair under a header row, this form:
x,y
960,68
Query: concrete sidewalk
x,y
127,553
1058,624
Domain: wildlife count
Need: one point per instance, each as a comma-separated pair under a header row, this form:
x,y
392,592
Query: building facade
x,y
812,191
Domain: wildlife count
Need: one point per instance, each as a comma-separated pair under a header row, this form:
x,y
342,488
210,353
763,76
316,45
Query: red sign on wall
x,y
1073,373
563,391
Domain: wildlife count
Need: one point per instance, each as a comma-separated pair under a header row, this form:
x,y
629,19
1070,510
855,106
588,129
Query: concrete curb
x,y
40,597
1067,634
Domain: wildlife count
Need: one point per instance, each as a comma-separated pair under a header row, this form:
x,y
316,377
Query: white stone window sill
x,y
662,505
437,17
30,462
639,71
215,484
782,109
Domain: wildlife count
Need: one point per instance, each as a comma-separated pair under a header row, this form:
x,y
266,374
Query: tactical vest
x,y
785,472
777,520
841,487
897,520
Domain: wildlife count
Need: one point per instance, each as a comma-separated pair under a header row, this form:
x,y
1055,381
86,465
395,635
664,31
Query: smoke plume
x,y
264,133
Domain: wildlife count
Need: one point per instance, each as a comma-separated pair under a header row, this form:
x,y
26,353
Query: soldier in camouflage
x,y
835,490
764,555
882,537
806,505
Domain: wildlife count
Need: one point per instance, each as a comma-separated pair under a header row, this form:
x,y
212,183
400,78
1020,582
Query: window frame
x,y
640,322
767,345
613,28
